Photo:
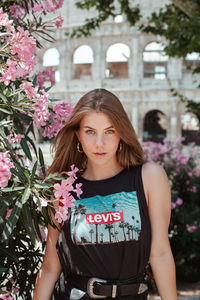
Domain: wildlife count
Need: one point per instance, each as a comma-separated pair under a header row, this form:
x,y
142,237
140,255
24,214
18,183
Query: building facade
x,y
130,64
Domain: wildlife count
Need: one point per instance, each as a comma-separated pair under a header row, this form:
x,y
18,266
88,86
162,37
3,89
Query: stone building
x,y
132,65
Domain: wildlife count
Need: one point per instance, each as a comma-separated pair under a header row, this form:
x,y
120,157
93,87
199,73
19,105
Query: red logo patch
x,y
105,217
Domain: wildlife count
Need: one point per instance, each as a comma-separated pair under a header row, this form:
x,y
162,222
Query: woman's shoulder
x,y
153,173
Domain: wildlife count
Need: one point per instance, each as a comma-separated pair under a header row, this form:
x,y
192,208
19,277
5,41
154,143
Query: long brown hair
x,y
65,143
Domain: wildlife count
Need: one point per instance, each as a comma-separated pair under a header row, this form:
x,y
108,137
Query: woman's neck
x,y
101,172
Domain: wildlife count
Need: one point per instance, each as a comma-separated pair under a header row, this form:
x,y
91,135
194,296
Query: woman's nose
x,y
99,140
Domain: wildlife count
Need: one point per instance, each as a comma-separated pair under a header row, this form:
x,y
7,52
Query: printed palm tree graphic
x,y
80,209
101,235
116,236
133,224
91,233
137,230
109,226
97,233
122,225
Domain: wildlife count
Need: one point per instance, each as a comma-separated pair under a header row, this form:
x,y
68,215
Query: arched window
x,y
191,62
117,61
155,61
189,128
51,61
155,126
82,61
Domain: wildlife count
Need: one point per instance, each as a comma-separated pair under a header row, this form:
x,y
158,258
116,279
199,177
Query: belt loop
x,y
114,291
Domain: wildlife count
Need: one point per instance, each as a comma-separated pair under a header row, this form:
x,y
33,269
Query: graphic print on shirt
x,y
106,219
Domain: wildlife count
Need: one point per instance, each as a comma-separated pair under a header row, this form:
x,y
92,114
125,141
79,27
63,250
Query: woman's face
x,y
98,138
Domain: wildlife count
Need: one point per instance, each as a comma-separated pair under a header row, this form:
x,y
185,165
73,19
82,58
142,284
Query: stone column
x,y
135,63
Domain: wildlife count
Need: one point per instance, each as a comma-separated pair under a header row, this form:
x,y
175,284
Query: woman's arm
x,y
157,190
50,269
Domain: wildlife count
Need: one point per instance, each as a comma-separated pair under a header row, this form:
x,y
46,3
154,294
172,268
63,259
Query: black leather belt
x,y
100,288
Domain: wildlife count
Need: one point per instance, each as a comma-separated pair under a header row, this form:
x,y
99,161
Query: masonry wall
x,y
138,94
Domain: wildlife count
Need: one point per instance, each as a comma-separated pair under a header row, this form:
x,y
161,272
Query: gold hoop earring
x,y
78,148
120,147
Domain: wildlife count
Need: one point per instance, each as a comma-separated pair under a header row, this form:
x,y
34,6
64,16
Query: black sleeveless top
x,y
107,233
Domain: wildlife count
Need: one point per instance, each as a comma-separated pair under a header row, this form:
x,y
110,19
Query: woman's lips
x,y
100,154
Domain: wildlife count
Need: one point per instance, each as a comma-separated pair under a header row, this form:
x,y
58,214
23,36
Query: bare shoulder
x,y
153,171
155,180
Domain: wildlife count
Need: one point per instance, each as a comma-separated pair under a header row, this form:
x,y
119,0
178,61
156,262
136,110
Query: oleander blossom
x,y
53,5
59,21
17,12
46,75
5,166
63,197
62,112
41,110
15,138
20,48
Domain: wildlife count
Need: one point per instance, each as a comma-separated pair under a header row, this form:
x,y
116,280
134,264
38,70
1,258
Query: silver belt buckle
x,y
90,287
142,288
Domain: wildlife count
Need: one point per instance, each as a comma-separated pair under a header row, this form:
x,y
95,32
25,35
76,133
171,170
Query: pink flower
x,y
191,228
41,113
43,201
62,190
17,12
29,89
189,174
73,171
187,182
38,8
181,261
194,189
78,190
173,205
4,21
59,21
179,201
52,7
192,256
5,165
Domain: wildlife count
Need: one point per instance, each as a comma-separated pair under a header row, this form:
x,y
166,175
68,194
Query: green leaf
x,y
26,220
42,185
12,220
50,176
26,149
41,159
33,171
2,270
35,81
32,144
5,111
48,88
2,96
12,189
26,195
5,203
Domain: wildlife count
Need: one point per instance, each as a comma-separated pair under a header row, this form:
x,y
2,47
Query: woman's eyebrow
x,y
94,128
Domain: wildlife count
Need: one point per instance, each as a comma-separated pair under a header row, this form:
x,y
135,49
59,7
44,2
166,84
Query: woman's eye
x,y
110,131
90,131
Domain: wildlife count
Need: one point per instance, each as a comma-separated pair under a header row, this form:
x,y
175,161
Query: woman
x,y
121,221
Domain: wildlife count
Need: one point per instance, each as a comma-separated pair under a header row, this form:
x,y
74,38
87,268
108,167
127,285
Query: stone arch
x,y
189,128
83,58
191,62
154,61
117,56
154,126
51,61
